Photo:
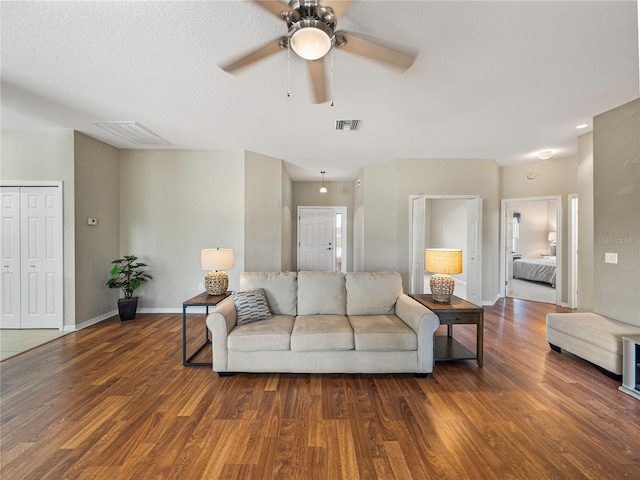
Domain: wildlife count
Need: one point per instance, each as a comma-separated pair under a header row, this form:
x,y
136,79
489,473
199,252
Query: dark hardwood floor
x,y
114,401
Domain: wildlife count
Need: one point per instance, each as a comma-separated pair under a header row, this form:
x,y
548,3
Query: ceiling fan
x,y
311,34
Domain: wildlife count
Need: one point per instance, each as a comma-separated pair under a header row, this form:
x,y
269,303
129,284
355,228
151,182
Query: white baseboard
x,y
91,321
491,302
163,310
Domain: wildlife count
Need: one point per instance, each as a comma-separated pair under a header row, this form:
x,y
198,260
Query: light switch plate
x,y
610,258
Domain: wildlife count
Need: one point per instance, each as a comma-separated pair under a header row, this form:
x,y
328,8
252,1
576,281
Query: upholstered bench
x,y
590,336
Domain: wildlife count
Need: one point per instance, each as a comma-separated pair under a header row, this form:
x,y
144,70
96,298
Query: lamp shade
x,y
443,260
216,258
553,237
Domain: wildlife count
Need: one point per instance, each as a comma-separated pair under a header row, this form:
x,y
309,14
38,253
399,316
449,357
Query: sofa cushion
x,y
372,293
321,332
321,293
382,332
251,306
280,287
268,335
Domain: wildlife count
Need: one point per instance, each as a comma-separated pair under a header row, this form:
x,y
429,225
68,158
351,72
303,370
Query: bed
x,y
536,269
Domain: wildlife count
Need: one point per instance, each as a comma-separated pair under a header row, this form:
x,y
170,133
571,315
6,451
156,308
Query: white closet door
x,y
10,235
40,257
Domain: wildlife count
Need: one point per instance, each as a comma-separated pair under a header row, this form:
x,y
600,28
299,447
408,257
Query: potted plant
x,y
128,275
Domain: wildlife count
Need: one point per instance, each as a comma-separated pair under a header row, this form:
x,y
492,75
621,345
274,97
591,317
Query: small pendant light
x,y
323,189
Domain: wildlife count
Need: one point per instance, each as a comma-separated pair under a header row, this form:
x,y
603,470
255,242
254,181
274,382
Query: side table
x,y
201,300
457,312
631,366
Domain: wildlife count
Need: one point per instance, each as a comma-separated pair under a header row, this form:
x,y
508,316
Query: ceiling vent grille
x,y
347,125
133,132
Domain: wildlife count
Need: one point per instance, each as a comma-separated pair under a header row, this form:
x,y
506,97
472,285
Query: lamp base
x,y
216,283
442,286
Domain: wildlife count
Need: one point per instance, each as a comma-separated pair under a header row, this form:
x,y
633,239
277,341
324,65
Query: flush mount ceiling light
x,y
582,125
545,155
133,132
323,189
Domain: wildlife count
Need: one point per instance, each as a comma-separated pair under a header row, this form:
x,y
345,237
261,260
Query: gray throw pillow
x,y
251,306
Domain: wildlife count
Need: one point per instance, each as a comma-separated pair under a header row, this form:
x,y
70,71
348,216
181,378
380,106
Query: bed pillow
x,y
251,306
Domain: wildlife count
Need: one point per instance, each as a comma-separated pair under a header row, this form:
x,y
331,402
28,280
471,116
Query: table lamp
x,y
442,262
216,260
552,238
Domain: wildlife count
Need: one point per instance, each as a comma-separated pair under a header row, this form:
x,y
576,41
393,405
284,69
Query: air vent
x,y
347,125
133,132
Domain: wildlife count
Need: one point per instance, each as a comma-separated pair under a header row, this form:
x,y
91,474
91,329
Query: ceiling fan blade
x,y
340,7
318,79
258,54
274,6
375,50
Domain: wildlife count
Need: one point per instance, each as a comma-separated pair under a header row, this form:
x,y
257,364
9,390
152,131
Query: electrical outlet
x,y
610,258
200,287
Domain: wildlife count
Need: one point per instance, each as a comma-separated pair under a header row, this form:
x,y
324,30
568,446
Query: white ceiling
x,y
500,80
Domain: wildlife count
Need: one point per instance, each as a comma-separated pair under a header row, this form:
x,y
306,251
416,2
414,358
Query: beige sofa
x,y
326,322
590,336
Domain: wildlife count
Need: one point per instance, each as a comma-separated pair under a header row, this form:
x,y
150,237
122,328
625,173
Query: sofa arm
x,y
221,321
422,321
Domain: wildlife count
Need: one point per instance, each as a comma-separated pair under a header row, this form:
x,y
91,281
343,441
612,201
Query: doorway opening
x,y
531,246
447,221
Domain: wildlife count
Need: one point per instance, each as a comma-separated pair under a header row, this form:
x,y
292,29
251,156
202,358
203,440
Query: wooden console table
x,y
458,312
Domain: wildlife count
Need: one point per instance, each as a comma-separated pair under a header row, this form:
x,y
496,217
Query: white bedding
x,y
536,269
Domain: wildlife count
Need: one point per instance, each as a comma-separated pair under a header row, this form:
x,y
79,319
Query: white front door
x,y
31,257
10,281
316,239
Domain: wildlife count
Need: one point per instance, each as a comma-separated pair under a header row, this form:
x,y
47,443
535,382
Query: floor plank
x,y
114,401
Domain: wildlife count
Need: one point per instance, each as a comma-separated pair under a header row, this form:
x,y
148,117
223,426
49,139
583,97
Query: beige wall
x,y
265,204
557,177
616,181
585,222
47,156
307,194
380,235
358,224
173,203
387,188
97,195
287,251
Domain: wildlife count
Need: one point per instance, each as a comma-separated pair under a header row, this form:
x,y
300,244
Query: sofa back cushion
x,y
372,293
321,293
280,288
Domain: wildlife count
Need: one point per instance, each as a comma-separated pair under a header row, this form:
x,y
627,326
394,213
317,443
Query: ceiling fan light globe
x,y
310,43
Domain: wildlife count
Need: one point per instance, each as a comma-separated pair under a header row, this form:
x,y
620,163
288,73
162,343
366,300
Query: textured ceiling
x,y
499,80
